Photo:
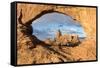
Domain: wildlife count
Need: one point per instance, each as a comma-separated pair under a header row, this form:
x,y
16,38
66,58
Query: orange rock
x,y
42,54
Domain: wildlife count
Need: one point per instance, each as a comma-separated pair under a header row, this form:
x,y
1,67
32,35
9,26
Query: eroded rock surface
x,y
30,50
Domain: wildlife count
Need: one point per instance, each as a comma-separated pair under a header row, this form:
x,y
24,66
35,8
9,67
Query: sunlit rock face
x,y
47,25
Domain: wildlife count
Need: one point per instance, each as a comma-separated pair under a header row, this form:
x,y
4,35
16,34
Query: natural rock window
x,y
51,34
49,24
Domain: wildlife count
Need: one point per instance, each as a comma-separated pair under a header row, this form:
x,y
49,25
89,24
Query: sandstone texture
x,y
31,50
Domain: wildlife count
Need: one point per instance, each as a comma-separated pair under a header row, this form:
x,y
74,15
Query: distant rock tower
x,y
57,39
58,34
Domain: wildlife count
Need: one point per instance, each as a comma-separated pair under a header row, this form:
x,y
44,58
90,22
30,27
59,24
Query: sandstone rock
x,y
26,13
86,16
48,41
67,39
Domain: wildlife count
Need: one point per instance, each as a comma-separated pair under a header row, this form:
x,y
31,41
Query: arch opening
x,y
49,24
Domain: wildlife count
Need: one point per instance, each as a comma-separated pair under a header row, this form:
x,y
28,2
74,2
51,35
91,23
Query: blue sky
x,y
47,25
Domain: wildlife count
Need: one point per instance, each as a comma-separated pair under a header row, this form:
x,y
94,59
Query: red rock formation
x,y
66,39
42,53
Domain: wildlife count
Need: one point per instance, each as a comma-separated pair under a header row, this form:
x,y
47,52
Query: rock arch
x,y
86,16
